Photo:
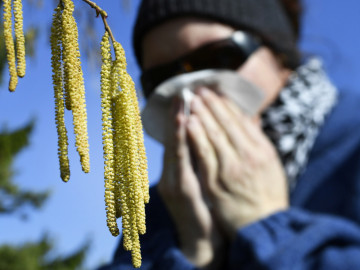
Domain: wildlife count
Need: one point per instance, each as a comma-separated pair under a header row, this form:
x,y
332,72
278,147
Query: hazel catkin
x,y
68,86
56,63
125,170
108,145
134,174
74,82
125,173
9,45
20,38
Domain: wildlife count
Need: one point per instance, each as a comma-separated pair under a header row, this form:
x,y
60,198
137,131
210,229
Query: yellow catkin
x,y
137,180
138,158
74,82
142,153
20,39
84,155
121,170
67,89
118,154
121,156
66,92
55,41
128,206
67,75
118,151
108,145
9,44
134,179
135,252
133,167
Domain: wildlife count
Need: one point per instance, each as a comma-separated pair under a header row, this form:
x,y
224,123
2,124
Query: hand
x,y
180,189
238,165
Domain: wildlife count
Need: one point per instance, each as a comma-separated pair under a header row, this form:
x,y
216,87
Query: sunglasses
x,y
229,53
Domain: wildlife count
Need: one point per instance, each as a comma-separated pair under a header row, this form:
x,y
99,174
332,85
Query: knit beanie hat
x,y
265,18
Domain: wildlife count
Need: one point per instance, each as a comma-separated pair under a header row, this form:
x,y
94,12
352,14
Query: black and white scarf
x,y
293,121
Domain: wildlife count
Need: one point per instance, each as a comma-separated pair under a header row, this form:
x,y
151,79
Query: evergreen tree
x,y
33,256
11,197
29,256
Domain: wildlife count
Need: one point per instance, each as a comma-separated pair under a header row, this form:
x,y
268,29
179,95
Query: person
x,y
276,190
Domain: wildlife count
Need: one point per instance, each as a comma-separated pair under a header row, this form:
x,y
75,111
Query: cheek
x,y
259,73
254,76
254,72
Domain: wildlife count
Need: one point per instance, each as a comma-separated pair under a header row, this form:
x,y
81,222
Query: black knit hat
x,y
265,18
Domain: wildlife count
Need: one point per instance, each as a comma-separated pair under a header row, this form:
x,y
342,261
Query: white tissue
x,y
155,115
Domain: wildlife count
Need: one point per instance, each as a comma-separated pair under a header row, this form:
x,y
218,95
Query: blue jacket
x,y
321,229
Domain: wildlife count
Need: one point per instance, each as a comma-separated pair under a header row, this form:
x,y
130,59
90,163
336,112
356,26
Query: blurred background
x,y
57,225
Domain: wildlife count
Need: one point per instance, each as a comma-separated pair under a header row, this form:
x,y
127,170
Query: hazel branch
x,y
103,14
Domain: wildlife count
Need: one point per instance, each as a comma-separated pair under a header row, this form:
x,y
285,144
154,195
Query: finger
x,y
213,130
245,132
228,160
252,127
182,150
178,175
230,121
180,189
170,159
263,150
204,154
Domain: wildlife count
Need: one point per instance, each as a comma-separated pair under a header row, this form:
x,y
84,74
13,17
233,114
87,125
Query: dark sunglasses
x,y
229,53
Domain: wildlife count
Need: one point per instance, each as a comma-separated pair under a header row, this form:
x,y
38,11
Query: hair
x,y
293,9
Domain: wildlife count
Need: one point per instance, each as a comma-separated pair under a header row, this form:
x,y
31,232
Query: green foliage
x,y
29,256
11,197
35,256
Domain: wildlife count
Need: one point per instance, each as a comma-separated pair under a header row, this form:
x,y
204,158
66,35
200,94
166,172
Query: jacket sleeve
x,y
296,239
158,246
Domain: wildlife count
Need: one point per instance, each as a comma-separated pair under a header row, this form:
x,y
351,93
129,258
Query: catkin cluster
x,y
126,181
69,90
126,178
16,60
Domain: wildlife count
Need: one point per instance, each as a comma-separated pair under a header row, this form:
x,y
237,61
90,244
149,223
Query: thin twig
x,y
103,14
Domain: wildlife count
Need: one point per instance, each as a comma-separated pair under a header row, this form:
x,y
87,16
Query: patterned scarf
x,y
293,121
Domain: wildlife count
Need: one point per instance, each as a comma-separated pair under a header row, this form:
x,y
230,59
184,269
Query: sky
x,y
75,211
